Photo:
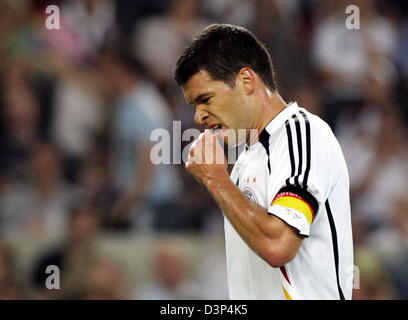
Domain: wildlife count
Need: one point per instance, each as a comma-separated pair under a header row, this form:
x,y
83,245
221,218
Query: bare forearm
x,y
268,236
250,220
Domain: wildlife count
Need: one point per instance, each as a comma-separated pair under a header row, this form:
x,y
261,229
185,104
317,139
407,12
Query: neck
x,y
270,105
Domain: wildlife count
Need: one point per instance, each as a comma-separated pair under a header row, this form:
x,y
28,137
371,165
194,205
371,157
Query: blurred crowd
x,y
78,105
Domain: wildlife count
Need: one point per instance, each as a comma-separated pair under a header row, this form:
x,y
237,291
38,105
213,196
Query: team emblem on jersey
x,y
250,194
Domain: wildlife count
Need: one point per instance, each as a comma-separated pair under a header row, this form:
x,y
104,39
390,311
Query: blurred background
x,y
78,104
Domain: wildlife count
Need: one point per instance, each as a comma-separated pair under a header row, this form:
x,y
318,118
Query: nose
x,y
200,115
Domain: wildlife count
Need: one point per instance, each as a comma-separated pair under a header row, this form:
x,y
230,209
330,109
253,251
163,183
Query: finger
x,y
215,149
199,149
212,152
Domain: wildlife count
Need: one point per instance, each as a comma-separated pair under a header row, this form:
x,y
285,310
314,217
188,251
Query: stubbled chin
x,y
227,137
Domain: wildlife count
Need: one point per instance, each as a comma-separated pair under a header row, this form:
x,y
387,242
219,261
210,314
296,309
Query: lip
x,y
214,125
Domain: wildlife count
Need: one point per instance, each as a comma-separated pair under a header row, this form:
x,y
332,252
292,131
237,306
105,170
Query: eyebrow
x,y
200,98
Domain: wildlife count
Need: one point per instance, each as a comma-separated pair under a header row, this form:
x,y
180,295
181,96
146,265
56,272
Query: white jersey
x,y
298,173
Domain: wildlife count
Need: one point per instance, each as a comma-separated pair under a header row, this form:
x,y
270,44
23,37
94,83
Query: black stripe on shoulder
x,y
300,151
264,140
291,156
305,195
335,247
308,149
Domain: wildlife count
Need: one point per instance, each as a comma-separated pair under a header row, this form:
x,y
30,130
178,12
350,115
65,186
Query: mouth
x,y
217,128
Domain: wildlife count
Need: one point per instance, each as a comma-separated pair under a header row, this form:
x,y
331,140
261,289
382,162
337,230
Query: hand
x,y
206,161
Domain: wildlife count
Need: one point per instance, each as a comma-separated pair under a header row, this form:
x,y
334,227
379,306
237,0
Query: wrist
x,y
218,182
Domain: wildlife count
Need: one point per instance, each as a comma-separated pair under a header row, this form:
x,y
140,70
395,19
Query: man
x,y
286,204
139,109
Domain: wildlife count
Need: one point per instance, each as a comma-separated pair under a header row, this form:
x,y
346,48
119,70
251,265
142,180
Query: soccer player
x,y
286,204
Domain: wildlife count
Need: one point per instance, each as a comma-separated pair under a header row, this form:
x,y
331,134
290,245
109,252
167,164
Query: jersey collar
x,y
281,117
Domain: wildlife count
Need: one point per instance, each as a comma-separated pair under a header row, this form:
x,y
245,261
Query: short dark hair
x,y
222,50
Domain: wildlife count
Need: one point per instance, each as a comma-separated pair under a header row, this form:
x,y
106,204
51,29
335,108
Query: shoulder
x,y
295,127
303,134
317,124
301,123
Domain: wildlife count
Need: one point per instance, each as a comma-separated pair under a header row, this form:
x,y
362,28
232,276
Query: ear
x,y
247,80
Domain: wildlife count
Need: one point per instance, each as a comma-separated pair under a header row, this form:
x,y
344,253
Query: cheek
x,y
232,107
229,110
239,105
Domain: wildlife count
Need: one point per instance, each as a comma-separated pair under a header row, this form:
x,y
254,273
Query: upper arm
x,y
285,246
299,186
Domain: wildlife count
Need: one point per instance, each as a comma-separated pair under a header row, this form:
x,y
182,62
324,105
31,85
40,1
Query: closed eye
x,y
206,100
203,98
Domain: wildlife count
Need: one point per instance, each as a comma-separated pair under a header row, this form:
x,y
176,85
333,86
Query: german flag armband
x,y
296,206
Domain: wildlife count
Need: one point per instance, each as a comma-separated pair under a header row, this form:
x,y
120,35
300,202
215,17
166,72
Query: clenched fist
x,y
206,161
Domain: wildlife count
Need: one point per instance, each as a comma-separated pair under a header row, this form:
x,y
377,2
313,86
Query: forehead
x,y
201,83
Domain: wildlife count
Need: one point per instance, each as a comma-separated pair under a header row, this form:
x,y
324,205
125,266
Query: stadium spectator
x,y
20,120
275,24
393,246
213,277
149,191
371,280
84,28
10,288
105,281
172,275
75,257
78,114
352,55
40,204
378,141
159,40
